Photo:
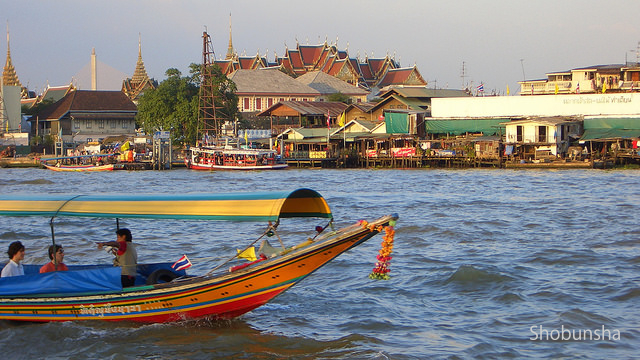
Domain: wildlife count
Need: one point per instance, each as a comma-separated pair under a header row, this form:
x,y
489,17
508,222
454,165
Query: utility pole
x,y
524,78
464,74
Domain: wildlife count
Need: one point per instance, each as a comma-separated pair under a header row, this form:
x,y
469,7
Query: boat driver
x,y
126,256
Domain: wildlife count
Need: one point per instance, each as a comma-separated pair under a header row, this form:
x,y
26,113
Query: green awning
x,y
611,123
603,134
396,123
611,128
461,126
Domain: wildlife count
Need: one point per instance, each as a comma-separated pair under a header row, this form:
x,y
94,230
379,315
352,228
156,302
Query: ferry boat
x,y
224,158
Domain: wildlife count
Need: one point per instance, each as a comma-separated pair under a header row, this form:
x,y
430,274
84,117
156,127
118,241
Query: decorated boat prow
x,y
162,294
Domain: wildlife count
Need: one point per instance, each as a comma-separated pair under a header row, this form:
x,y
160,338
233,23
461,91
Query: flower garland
x,y
381,270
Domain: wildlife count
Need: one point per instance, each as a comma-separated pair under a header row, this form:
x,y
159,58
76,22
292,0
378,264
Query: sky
x,y
498,43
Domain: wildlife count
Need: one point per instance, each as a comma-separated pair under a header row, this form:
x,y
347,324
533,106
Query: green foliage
x,y
339,97
173,105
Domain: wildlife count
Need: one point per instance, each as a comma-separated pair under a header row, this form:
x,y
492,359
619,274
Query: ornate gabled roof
x,y
140,81
404,76
9,75
310,54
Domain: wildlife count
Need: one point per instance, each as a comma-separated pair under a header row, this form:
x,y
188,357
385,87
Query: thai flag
x,y
481,88
182,264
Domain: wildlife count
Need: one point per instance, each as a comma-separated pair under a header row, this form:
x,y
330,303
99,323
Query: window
x,y
246,104
125,124
258,103
269,102
101,124
542,134
76,124
112,123
519,133
88,123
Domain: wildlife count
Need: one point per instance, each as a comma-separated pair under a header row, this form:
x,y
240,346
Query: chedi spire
x,y
9,76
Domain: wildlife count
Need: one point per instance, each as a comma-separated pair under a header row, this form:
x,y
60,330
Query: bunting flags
x,y
181,264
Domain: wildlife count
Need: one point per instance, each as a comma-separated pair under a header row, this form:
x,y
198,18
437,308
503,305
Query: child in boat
x,y
126,256
16,254
56,254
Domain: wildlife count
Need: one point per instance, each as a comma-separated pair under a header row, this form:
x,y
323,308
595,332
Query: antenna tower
x,y
464,73
208,122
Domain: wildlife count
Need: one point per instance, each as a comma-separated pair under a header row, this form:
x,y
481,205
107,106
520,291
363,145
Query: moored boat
x,y
220,158
79,163
93,292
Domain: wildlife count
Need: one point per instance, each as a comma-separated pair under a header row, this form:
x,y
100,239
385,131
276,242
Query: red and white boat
x,y
218,158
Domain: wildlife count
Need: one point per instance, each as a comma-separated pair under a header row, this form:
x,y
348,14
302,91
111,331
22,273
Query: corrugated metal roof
x,y
269,81
327,84
310,108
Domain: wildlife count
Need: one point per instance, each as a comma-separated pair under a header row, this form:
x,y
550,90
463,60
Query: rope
x,y
271,228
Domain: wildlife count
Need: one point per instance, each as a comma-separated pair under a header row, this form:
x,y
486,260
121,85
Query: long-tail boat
x,y
94,292
79,163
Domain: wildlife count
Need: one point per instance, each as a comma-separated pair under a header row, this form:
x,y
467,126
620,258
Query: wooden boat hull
x,y
107,167
236,167
215,297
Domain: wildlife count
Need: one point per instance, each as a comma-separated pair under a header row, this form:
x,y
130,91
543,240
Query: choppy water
x,y
482,258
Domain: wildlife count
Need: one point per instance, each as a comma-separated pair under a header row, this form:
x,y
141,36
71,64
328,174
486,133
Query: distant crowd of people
x,y
124,250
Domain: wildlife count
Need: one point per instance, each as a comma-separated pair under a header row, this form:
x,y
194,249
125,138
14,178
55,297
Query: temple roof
x,y
9,75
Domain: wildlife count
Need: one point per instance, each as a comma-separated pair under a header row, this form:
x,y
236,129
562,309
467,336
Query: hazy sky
x,y
500,42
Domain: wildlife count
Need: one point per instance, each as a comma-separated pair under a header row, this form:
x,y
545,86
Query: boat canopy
x,y
258,206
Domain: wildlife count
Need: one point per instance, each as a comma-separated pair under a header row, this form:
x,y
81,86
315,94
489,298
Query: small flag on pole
x,y
181,264
249,254
328,121
341,119
481,88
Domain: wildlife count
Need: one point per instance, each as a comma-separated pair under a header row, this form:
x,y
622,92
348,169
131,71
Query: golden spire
x,y
9,76
230,51
140,73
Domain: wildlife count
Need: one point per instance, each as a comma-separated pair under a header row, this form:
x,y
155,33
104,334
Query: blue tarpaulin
x,y
96,279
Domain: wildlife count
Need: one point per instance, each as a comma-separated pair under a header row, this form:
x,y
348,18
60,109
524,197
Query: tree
x,y
173,105
339,97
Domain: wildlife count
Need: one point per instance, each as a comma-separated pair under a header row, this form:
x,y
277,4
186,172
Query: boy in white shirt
x,y
16,254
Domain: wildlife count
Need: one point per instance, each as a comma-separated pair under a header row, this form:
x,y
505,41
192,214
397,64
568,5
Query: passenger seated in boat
x,y
126,256
16,254
56,254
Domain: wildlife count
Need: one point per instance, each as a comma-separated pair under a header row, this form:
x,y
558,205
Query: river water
x,y
487,264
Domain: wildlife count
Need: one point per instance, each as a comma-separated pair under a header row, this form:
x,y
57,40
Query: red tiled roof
x,y
296,59
310,53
